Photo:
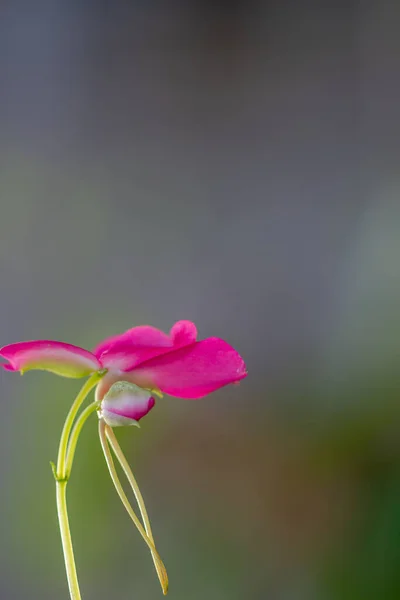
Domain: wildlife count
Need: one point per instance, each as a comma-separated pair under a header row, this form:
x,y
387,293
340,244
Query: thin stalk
x,y
61,475
117,484
72,577
73,439
62,449
135,488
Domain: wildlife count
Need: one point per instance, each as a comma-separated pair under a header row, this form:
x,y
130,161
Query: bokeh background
x,y
234,163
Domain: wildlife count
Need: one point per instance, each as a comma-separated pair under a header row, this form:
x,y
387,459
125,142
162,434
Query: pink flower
x,y
144,357
128,370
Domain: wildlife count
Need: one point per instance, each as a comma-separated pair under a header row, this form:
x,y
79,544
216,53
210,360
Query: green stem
x,y
73,438
72,577
135,488
117,484
62,449
62,474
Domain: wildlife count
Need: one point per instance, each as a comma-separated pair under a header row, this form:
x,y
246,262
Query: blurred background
x,y
236,164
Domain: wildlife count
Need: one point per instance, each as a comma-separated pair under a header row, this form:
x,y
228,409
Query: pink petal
x,y
183,333
141,336
125,404
126,351
192,371
60,358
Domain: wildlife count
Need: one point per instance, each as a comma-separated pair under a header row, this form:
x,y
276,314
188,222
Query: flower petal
x,y
123,352
47,355
142,336
183,333
126,351
192,371
125,404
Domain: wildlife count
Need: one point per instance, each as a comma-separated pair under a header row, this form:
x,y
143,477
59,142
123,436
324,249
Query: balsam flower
x,y
127,370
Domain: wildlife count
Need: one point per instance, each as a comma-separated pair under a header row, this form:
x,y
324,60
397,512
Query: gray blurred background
x,y
236,164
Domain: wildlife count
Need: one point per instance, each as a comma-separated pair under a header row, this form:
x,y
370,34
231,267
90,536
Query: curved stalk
x,y
62,449
135,488
73,439
161,571
61,476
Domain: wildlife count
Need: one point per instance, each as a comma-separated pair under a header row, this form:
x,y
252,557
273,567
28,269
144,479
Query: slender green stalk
x,y
72,577
62,449
73,439
114,476
135,488
61,474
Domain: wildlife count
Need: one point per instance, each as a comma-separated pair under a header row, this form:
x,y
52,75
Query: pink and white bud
x,y
125,404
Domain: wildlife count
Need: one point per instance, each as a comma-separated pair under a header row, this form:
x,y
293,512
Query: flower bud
x,y
125,404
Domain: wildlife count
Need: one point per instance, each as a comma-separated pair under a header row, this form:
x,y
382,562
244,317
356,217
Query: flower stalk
x,y
72,577
79,400
73,440
160,568
62,473
162,575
